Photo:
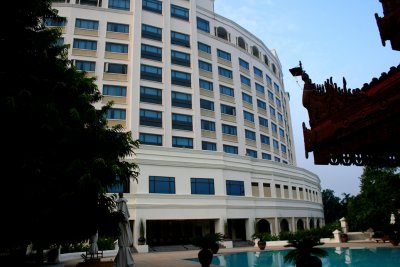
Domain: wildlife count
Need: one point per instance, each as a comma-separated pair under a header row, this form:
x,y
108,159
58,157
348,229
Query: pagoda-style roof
x,y
389,24
359,126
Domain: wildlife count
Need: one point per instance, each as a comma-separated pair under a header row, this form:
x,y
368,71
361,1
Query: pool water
x,y
337,257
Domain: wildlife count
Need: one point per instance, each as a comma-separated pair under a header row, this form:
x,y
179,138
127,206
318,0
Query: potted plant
x,y
141,239
344,238
209,245
262,239
305,254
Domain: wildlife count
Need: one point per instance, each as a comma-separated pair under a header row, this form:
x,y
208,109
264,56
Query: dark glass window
x,y
229,129
270,95
263,122
272,111
151,52
243,63
206,104
150,139
250,135
283,148
114,90
180,58
206,85
203,25
225,90
203,47
208,125
181,39
182,122
55,22
248,116
86,24
119,4
150,95
260,88
258,72
234,188
179,12
208,146
247,98
264,139
224,55
181,100
85,65
116,114
266,156
85,44
115,68
183,142
274,127
150,73
281,132
162,185
152,5
277,159
230,149
117,27
225,72
261,104
278,102
181,78
150,118
275,144
280,117
251,153
229,110
151,32
276,87
116,48
245,80
202,186
268,78
205,66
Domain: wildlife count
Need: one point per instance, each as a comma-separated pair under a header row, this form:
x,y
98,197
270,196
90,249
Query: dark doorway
x,y
284,225
263,226
237,229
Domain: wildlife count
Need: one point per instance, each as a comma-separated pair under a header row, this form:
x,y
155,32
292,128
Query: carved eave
x,y
360,126
389,24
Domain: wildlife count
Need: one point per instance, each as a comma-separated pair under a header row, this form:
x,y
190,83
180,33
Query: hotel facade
x,y
206,99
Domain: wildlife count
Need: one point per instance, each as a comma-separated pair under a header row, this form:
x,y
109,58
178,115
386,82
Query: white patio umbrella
x,y
392,219
124,256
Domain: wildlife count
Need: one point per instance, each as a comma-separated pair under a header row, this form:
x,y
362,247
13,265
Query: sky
x,y
335,39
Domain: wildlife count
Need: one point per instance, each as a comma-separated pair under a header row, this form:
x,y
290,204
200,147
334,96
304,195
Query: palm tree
x,y
305,252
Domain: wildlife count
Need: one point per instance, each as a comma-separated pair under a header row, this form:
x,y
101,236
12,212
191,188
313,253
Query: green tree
x,y
379,197
59,156
334,208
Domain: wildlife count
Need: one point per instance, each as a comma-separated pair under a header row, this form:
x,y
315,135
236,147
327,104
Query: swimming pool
x,y
338,257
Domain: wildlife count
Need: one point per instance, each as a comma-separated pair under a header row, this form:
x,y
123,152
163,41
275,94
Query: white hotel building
x,y
207,100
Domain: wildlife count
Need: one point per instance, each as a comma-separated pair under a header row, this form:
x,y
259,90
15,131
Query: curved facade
x,y
206,98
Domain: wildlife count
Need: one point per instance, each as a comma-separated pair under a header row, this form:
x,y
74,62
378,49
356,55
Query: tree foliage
x,y
333,207
59,156
379,197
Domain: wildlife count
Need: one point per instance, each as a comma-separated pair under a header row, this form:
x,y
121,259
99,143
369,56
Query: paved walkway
x,y
177,258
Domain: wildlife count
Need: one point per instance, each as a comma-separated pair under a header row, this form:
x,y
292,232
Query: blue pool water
x,y
337,257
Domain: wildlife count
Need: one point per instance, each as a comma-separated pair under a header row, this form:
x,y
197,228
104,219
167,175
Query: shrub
x,y
77,247
106,243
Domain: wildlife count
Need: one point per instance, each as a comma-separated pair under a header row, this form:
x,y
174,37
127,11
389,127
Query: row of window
x,y
112,4
156,7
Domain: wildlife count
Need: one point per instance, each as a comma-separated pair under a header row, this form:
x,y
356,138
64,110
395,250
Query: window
x,y
204,48
202,186
234,188
225,90
274,128
229,110
150,139
206,104
255,52
205,66
225,72
269,80
278,102
179,12
114,90
182,122
86,24
277,159
247,98
116,114
181,100
224,55
119,4
117,27
85,44
272,111
116,48
208,146
150,73
281,132
245,80
203,25
151,52
275,144
251,153
206,85
258,72
241,43
264,139
276,87
283,148
151,32
263,122
280,117
260,88
270,95
229,129
273,68
243,63
180,58
248,116
150,95
208,125
183,142
261,104
162,185
115,68
55,22
230,149
152,5
150,118
266,156
266,61
250,135
181,39
83,65
181,78
222,33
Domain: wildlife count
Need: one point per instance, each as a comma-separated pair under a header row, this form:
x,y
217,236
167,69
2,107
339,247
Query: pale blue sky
x,y
336,39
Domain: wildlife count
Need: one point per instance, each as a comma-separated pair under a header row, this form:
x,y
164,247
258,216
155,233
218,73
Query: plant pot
x,y
311,261
344,238
261,244
205,257
215,248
